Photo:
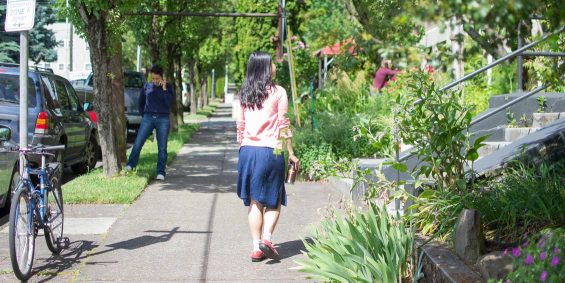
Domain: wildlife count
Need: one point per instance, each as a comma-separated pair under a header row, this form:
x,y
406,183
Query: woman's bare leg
x,y
255,217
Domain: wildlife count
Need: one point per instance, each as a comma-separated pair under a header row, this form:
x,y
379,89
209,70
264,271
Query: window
x,y
88,67
62,95
72,97
133,80
51,96
47,65
61,67
10,90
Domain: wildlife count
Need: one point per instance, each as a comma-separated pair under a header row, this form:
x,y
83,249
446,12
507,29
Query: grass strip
x,y
95,188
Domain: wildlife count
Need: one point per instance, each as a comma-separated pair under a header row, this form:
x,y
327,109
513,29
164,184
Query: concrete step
x,y
543,119
513,134
491,147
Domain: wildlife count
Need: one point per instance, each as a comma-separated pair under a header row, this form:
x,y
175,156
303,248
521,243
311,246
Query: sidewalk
x,y
192,227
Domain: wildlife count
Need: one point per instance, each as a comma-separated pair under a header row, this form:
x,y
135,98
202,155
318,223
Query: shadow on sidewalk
x,y
80,250
289,249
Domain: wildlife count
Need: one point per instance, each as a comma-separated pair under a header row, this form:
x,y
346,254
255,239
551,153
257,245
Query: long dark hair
x,y
257,81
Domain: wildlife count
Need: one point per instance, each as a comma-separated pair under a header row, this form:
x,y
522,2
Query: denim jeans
x,y
149,122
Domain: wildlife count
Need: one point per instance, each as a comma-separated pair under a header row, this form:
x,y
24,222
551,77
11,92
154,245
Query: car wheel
x,y
90,158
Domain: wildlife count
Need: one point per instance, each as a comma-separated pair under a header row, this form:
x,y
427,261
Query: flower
x,y
516,252
554,261
293,37
555,250
301,44
505,251
543,276
429,69
529,259
525,244
542,256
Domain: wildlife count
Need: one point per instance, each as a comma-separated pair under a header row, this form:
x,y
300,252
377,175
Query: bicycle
x,y
36,205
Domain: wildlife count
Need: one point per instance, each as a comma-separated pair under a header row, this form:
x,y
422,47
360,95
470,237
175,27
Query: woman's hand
x,y
294,160
163,84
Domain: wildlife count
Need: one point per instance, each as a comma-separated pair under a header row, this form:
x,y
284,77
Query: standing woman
x,y
154,105
262,127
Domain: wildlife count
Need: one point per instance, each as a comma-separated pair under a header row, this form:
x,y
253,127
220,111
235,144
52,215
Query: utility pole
x,y
69,67
138,67
213,84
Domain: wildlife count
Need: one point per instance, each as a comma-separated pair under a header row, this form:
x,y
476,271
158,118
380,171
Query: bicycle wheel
x,y
22,235
54,217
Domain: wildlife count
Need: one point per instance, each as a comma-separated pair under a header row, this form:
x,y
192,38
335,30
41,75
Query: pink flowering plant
x,y
539,259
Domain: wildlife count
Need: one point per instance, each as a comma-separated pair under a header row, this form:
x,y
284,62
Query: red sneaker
x,y
257,256
268,249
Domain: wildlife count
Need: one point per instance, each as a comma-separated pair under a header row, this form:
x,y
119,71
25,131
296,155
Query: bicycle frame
x,y
36,195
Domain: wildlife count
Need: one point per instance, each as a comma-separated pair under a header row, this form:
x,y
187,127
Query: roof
x,y
338,48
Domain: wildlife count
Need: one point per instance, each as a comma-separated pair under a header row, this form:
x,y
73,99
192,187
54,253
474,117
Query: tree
x,y
494,25
41,40
101,23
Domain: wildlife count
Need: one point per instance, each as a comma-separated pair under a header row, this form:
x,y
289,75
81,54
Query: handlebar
x,y
41,149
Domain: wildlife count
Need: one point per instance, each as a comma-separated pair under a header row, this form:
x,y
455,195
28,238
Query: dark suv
x,y
55,115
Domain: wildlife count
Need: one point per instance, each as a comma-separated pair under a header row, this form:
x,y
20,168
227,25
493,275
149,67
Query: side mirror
x,y
5,134
88,106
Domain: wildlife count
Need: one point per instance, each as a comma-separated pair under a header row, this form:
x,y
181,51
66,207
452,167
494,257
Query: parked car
x,y
8,161
78,83
133,83
55,116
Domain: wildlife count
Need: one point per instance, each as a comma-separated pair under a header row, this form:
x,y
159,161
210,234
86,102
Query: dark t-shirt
x,y
154,100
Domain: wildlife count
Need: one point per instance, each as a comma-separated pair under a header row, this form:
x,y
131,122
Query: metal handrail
x,y
504,58
515,53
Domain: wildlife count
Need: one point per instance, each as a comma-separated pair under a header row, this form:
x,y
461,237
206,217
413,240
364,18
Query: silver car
x,y
9,175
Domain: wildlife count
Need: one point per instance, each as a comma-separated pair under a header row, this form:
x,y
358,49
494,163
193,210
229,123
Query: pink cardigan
x,y
265,127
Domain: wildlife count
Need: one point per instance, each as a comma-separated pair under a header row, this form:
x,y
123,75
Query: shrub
x,y
539,260
361,247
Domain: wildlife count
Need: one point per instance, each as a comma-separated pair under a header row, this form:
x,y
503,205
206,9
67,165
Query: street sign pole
x,y
20,17
24,50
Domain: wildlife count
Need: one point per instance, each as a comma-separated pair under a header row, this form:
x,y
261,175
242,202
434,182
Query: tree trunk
x,y
169,74
105,55
193,94
178,86
203,92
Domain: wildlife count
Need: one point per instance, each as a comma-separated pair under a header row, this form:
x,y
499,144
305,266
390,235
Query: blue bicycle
x,y
37,203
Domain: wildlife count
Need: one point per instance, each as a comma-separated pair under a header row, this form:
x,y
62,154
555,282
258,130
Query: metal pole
x,y
69,65
138,67
213,84
283,27
203,14
226,80
24,55
519,62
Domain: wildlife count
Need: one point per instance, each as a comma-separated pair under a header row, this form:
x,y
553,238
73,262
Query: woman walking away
x,y
155,102
261,130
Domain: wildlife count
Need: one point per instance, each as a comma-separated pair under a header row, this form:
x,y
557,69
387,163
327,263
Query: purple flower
x,y
516,252
301,44
542,256
507,281
555,250
505,251
543,276
293,37
525,244
529,259
554,261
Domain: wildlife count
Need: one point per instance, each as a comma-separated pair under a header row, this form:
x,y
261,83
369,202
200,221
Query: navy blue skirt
x,y
260,176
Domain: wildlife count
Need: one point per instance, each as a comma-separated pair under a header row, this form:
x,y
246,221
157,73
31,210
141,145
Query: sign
x,y
20,15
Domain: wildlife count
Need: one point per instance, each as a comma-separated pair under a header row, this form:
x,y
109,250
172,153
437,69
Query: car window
x,y
133,80
91,81
72,96
10,90
62,95
51,96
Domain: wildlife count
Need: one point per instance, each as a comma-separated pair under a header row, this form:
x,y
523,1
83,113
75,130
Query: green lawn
x,y
124,189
